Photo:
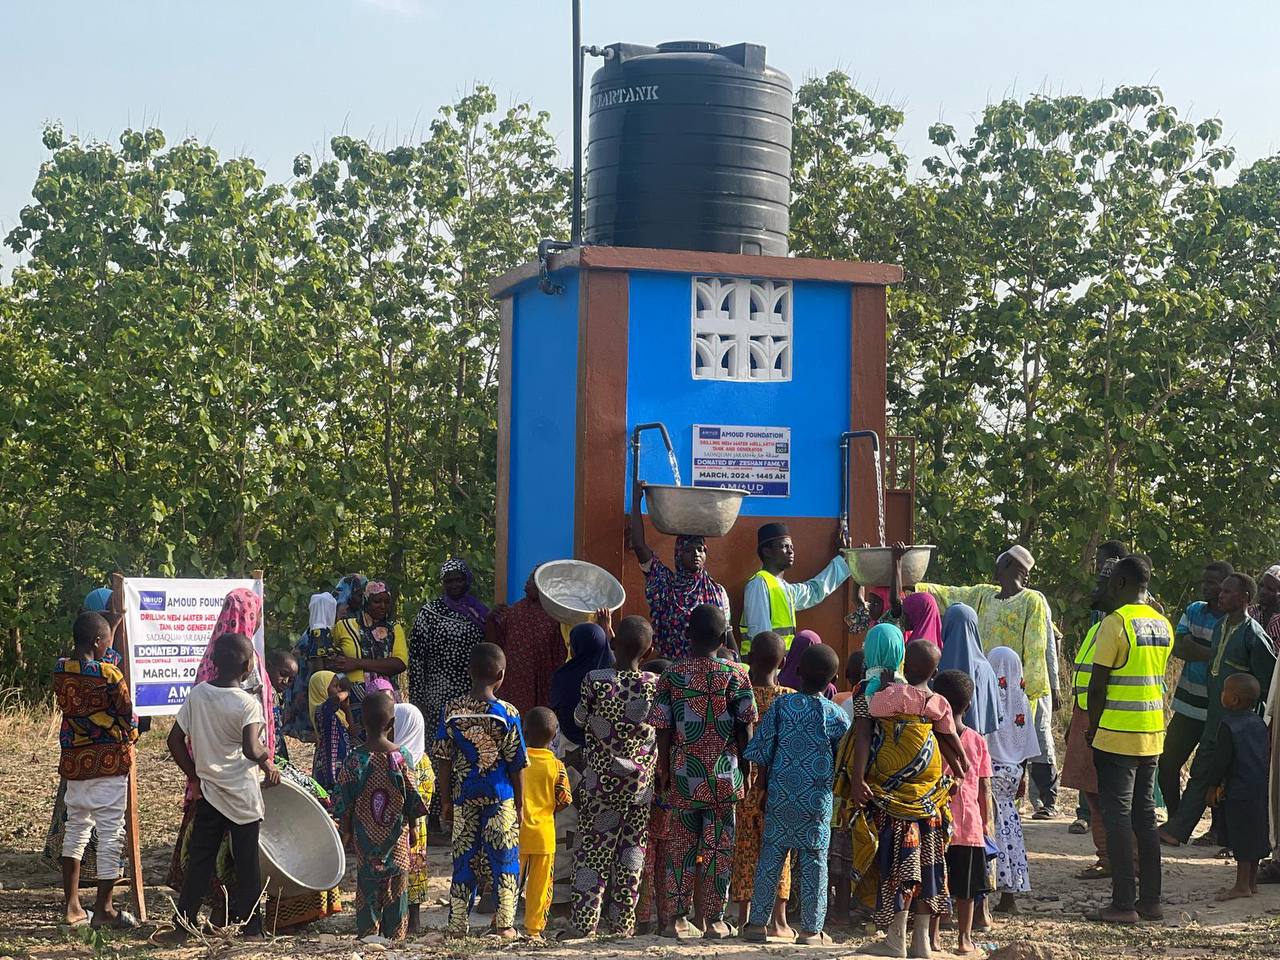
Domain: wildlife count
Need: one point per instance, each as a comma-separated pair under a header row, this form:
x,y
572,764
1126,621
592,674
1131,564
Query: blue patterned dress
x,y
796,743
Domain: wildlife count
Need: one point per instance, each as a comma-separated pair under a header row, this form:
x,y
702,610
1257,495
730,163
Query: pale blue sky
x,y
273,78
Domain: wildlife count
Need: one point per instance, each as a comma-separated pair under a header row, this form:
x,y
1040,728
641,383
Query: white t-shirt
x,y
214,718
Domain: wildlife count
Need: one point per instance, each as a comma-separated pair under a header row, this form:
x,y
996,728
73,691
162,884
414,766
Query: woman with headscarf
x,y
1013,743
531,638
589,650
894,800
789,675
962,650
371,645
445,632
411,735
672,595
920,619
312,646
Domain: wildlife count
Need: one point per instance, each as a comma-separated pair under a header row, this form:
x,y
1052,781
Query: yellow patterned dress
x,y
746,850
418,851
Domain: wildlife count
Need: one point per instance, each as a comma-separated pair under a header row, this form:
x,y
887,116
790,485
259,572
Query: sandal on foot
x,y
819,939
1098,871
124,920
754,934
1078,827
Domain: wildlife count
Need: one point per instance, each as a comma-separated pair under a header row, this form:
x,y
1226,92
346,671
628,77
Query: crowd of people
x,y
650,772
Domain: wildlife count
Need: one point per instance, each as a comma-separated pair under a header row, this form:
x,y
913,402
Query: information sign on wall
x,y
755,459
169,623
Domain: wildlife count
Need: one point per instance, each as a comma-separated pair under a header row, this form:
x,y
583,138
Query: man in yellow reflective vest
x,y
768,601
1126,731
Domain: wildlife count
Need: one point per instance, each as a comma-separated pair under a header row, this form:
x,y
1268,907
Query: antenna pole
x,y
575,232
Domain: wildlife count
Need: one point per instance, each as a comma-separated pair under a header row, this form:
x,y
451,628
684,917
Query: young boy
x,y
617,785
1240,764
704,713
916,698
764,660
546,793
970,815
379,807
97,735
794,750
224,724
481,751
282,667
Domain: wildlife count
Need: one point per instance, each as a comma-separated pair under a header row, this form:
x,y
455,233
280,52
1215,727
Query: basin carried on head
x,y
572,590
299,850
693,511
874,565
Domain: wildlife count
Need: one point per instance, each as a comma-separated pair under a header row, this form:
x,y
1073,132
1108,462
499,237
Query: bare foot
x,y
965,946
1168,839
507,933
1232,893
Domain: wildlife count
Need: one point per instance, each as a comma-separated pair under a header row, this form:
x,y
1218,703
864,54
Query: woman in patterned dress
x,y
672,594
445,632
371,646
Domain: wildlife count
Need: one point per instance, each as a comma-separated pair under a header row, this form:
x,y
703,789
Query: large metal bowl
x,y
572,590
299,850
873,566
693,511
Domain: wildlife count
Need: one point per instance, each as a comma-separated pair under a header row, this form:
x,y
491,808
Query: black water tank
x,y
689,148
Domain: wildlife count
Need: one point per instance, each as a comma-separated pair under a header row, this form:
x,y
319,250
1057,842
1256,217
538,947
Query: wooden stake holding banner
x,y
132,835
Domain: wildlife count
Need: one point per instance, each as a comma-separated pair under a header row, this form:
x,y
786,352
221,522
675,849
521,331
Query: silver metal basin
x,y
572,590
874,565
299,850
693,511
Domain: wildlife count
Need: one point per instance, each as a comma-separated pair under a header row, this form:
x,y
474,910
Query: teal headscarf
x,y
884,649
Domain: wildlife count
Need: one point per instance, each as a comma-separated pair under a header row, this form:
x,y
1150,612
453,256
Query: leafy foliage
x,y
209,373
206,372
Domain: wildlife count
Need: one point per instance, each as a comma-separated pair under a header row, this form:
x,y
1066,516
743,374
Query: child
x,y
704,713
379,808
331,694
546,793
649,912
224,724
794,747
916,698
840,853
1013,743
411,734
765,660
617,785
1240,765
282,667
96,737
480,750
970,815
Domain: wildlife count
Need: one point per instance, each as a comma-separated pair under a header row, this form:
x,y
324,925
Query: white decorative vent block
x,y
741,329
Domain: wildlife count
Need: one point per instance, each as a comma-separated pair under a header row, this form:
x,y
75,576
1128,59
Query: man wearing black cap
x,y
769,602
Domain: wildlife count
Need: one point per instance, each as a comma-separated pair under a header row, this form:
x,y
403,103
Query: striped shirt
x,y
1191,699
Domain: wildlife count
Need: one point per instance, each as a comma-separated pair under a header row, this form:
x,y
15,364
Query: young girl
x,y
411,734
328,695
1013,743
970,815
379,807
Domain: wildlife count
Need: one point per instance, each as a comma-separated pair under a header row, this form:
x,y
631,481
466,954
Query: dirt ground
x,y
1195,925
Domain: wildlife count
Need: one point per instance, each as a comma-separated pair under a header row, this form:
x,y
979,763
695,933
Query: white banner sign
x,y
754,459
170,623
